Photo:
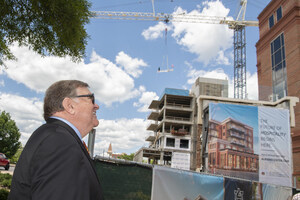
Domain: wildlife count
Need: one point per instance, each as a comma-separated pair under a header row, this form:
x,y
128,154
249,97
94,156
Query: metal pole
x,y
91,142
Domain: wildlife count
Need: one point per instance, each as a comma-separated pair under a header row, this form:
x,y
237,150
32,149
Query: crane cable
x,y
166,46
165,62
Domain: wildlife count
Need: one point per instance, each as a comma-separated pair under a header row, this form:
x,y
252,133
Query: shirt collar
x,y
70,124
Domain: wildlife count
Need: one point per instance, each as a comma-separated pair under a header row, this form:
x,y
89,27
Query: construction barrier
x,y
137,181
124,180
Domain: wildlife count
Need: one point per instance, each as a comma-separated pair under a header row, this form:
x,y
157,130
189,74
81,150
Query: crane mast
x,y
239,46
238,25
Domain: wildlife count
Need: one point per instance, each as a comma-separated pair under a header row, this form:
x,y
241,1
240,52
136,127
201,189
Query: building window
x,y
170,142
222,161
238,162
279,14
271,21
158,143
213,146
184,144
230,161
278,68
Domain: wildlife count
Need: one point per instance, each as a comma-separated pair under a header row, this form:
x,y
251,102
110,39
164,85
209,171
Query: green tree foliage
x,y
5,183
9,135
5,180
4,194
48,27
126,157
16,157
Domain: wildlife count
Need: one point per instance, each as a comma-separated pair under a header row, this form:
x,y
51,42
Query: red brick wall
x,y
289,25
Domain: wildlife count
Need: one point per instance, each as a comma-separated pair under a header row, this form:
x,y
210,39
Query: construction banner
x,y
249,142
237,189
181,160
275,165
273,192
170,184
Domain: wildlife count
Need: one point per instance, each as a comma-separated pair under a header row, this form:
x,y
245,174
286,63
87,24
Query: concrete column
x,y
161,157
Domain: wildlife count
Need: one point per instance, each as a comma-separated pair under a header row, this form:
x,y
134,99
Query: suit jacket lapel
x,y
79,141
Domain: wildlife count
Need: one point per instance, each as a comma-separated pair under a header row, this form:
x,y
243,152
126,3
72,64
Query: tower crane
x,y
238,25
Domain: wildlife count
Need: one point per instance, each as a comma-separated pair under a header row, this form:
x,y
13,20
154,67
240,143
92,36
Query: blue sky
x,y
122,58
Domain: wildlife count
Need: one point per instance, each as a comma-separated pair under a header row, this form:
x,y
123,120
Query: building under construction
x,y
174,127
173,116
182,128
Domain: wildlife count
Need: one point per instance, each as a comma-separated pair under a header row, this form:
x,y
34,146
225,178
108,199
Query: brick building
x,y
278,61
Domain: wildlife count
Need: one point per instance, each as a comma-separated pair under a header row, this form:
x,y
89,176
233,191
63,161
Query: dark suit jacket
x,y
55,165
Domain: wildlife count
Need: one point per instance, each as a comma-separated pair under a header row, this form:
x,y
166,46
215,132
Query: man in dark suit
x,y
54,163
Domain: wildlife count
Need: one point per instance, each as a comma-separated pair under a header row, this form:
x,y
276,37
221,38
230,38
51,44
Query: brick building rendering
x,y
230,146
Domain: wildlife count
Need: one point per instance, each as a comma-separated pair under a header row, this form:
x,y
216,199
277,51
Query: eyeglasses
x,y
91,96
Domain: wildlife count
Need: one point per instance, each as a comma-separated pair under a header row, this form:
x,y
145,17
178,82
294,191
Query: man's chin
x,y
96,123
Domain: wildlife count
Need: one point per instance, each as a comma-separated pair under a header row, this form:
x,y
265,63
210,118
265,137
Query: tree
x,y
126,157
17,155
9,135
47,27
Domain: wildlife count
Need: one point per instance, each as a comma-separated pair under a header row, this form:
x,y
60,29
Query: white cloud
x,y
21,107
222,59
193,74
131,65
27,113
252,83
2,83
123,134
252,86
145,100
207,41
108,81
210,42
157,31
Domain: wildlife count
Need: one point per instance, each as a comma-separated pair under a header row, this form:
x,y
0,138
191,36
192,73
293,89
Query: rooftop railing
x,y
178,105
178,118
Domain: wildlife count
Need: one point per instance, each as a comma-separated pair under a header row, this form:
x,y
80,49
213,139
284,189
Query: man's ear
x,y
68,105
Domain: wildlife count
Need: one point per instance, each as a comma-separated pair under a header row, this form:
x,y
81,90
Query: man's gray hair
x,y
57,92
